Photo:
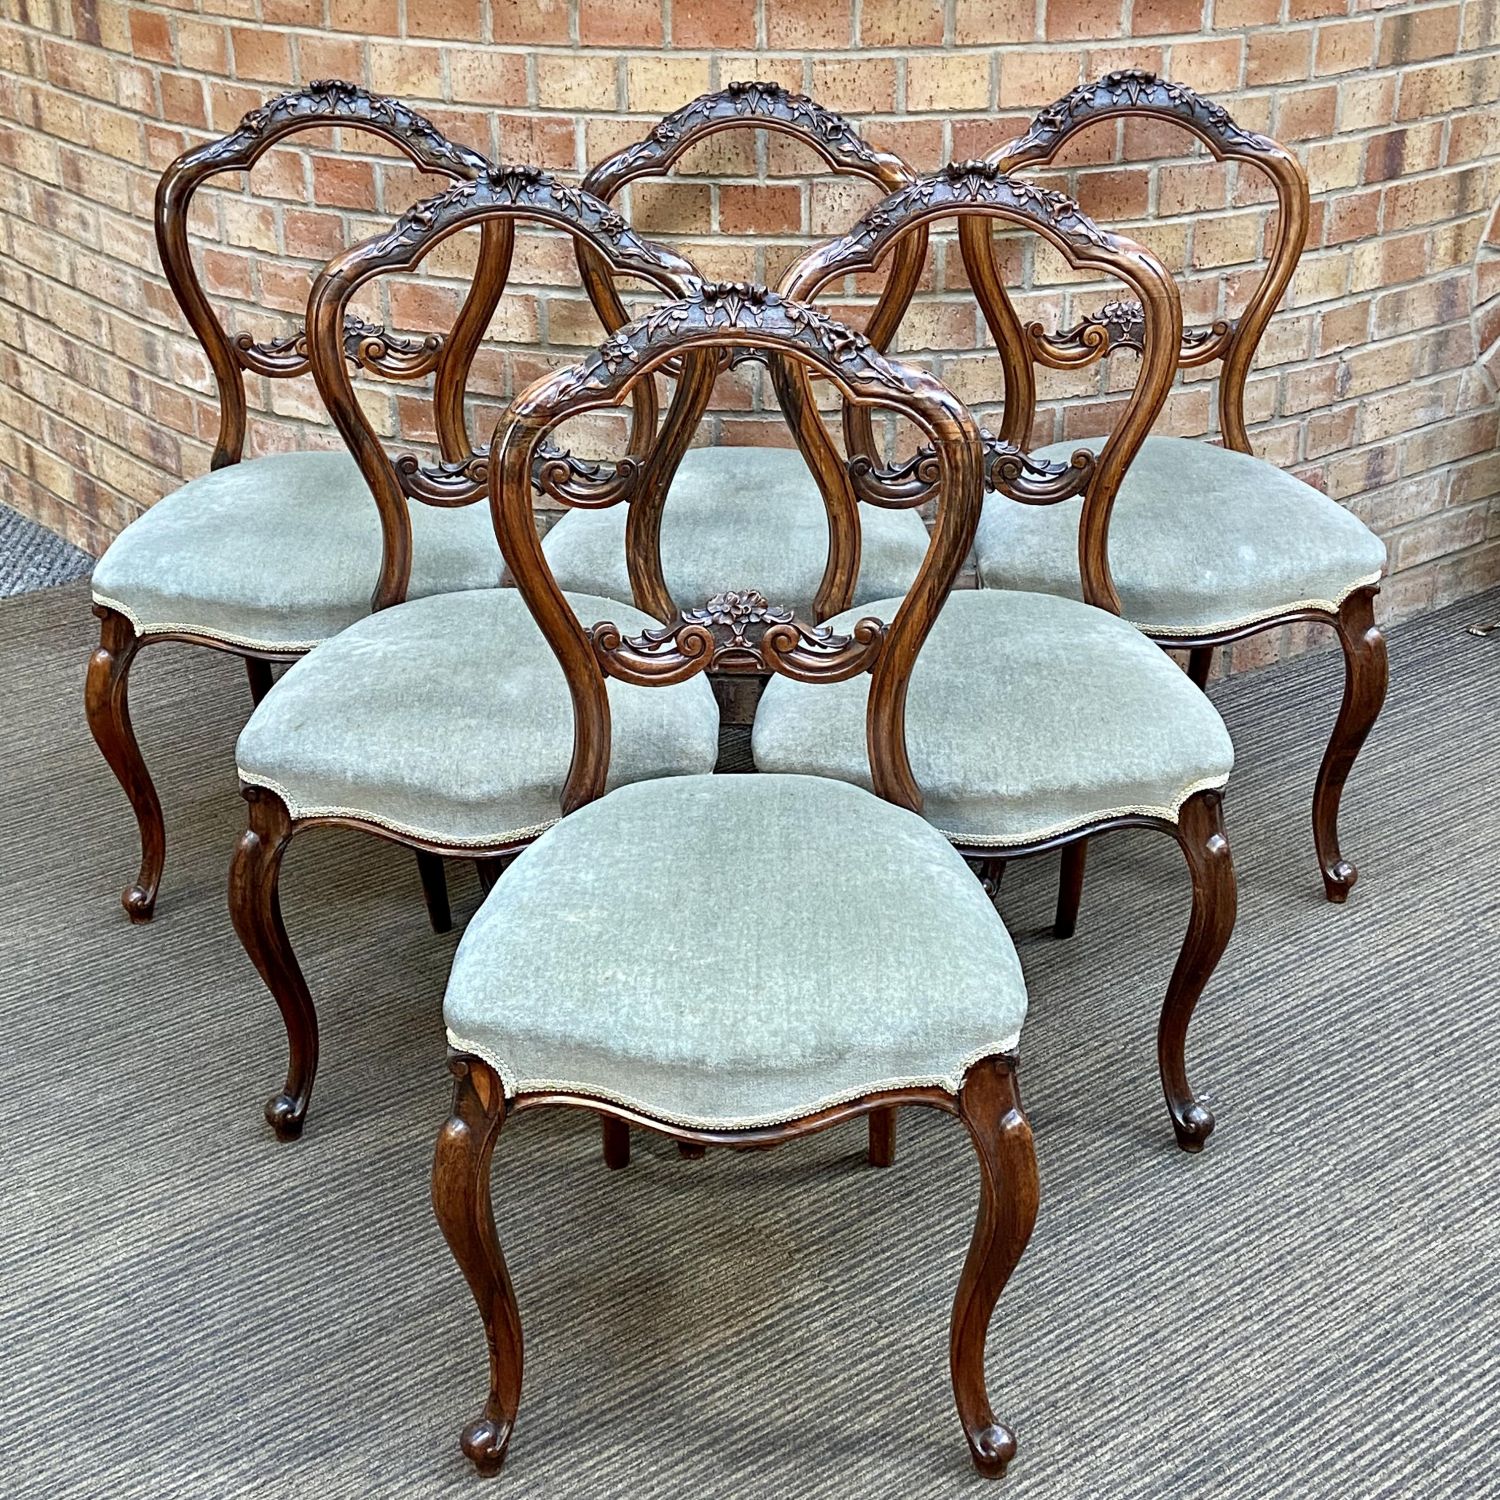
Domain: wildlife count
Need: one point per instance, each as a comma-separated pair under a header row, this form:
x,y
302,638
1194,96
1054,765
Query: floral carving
x,y
1120,325
335,101
1134,88
754,101
733,305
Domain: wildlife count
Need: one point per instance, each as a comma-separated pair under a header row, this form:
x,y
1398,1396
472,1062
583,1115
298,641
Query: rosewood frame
x,y
323,103
1133,92
977,194
714,319
494,201
760,105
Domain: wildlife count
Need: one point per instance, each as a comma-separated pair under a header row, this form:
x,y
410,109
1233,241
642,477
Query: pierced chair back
x,y
327,102
714,319
495,200
759,105
978,194
1134,93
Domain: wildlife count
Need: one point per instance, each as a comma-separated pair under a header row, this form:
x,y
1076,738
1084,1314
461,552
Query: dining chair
x,y
439,723
776,544
265,557
1208,544
1036,721
692,956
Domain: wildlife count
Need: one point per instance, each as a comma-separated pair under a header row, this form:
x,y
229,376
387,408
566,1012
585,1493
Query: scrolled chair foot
x,y
992,1449
139,902
286,1115
1193,1122
484,1443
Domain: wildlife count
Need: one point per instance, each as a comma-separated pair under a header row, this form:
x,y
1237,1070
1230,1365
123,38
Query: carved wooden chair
x,y
265,557
775,543
1207,544
440,723
1036,721
727,1021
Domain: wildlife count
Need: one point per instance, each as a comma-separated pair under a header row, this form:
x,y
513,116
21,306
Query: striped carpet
x,y
31,557
1307,1310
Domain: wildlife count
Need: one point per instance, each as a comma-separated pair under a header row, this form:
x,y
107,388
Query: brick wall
x,y
1376,382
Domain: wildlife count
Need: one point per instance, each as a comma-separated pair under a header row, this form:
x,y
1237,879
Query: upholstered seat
x,y
1029,715
1201,539
739,518
700,949
447,719
279,553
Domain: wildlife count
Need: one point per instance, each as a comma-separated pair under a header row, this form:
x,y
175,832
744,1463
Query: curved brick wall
x,y
1372,383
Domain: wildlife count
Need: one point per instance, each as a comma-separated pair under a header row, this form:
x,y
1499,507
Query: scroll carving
x,y
1120,325
448,482
366,346
1008,470
738,631
583,483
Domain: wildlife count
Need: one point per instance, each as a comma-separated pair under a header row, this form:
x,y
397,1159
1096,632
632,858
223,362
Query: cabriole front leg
x,y
1365,677
461,1200
1200,832
255,909
990,1105
107,704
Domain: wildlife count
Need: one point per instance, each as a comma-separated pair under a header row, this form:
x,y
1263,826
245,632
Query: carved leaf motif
x,y
1135,88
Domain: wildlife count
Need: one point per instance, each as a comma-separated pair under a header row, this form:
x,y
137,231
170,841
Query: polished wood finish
x,y
435,891
494,203
1200,833
977,195
1136,93
737,316
258,673
882,1147
324,102
461,1201
988,1104
1365,677
616,1136
1200,664
1070,889
107,706
255,909
761,106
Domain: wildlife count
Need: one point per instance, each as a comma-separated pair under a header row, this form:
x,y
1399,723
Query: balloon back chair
x,y
619,967
1037,721
439,723
775,546
265,557
1208,544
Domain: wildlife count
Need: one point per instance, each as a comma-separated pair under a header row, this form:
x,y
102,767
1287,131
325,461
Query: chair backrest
x,y
324,103
494,200
977,194
1133,92
759,105
714,318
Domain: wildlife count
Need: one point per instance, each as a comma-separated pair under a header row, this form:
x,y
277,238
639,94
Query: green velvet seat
x,y
738,518
700,949
279,553
1029,715
1201,539
447,719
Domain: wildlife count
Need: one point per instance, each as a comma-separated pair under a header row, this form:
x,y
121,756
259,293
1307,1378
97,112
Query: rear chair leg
x,y
461,1200
990,1105
255,910
435,890
107,705
1070,888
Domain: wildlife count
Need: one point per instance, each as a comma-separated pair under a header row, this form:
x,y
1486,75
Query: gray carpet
x,y
1309,1309
31,557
